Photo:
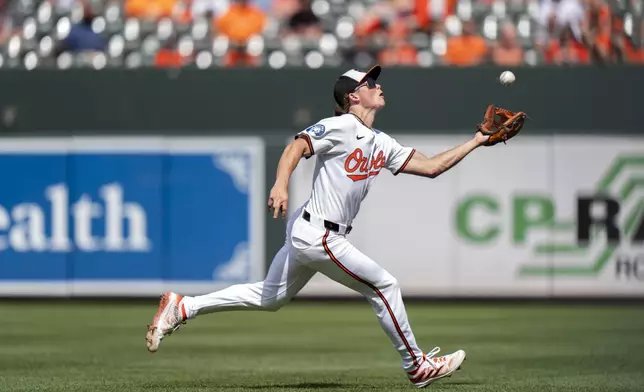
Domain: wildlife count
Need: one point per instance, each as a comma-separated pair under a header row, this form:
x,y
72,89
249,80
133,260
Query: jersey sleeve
x,y
322,138
398,156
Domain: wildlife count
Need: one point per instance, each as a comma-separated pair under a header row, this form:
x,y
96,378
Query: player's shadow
x,y
305,385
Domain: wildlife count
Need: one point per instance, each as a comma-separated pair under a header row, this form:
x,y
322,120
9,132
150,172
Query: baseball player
x,y
350,154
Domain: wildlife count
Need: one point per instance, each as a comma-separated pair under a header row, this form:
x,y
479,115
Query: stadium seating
x,y
44,35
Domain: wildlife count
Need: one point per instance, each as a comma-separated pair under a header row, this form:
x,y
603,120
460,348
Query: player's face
x,y
370,94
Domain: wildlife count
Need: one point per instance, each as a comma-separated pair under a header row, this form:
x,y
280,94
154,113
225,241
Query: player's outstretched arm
x,y
293,153
432,167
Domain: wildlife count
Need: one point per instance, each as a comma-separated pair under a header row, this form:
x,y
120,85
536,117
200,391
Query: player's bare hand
x,y
278,201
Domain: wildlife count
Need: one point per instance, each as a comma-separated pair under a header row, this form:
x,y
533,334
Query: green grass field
x,y
61,346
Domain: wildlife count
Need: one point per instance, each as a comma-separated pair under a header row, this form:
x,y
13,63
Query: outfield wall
x,y
197,218
544,216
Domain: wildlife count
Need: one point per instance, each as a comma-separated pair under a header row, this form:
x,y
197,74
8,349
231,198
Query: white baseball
x,y
507,78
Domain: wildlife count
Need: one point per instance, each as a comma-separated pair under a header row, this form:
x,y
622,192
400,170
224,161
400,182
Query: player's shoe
x,y
434,368
169,317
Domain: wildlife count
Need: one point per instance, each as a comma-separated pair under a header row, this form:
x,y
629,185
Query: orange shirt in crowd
x,y
465,50
240,58
404,54
603,42
149,8
167,58
601,16
241,22
398,51
633,54
422,13
507,56
573,53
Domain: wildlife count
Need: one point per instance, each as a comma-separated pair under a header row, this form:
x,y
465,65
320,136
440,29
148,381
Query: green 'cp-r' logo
x,y
595,239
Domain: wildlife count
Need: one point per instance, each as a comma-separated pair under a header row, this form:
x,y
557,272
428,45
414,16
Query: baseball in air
x,y
507,78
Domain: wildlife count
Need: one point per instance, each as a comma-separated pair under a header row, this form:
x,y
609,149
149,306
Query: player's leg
x,y
347,265
285,278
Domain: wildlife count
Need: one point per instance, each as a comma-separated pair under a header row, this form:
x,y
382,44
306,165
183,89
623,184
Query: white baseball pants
x,y
310,249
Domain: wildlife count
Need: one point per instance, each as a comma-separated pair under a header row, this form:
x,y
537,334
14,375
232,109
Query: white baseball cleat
x,y
169,317
434,368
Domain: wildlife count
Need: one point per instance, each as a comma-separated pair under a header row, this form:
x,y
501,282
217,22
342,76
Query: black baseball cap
x,y
350,80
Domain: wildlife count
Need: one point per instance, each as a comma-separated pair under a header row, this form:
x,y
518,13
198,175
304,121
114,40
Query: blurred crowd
x,y
391,32
545,31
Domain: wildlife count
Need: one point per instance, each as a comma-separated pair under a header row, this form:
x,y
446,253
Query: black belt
x,y
327,224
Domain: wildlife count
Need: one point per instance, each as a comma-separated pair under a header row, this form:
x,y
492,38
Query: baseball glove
x,y
503,128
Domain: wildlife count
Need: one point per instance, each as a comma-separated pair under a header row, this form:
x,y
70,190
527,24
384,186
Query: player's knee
x,y
390,282
273,304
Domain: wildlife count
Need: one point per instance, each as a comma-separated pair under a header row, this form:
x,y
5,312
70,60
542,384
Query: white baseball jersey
x,y
349,157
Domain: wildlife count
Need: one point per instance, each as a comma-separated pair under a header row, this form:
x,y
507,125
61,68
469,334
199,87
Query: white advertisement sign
x,y
540,216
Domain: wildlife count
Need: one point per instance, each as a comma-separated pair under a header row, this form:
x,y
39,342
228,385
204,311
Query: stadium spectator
x,y
596,14
567,50
239,23
157,9
208,8
507,50
304,23
428,11
468,49
168,56
596,31
398,50
623,50
384,32
561,14
282,10
81,37
388,16
8,25
215,8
